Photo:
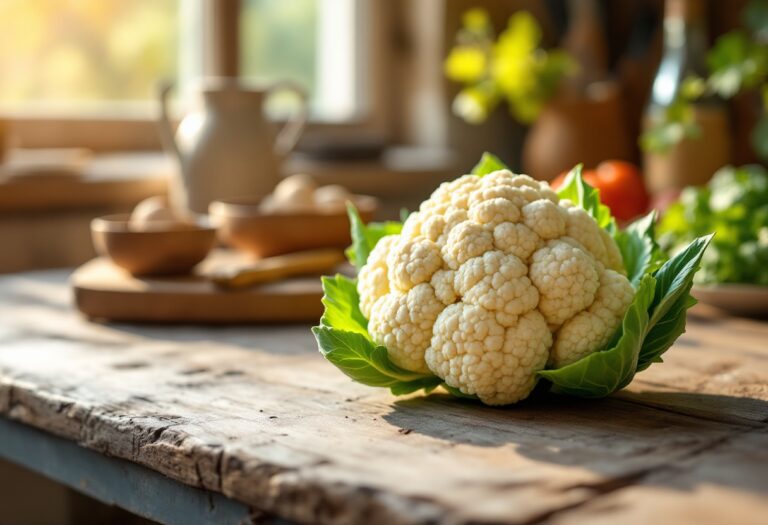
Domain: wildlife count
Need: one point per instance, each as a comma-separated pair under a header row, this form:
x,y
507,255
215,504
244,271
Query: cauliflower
x,y
497,281
491,280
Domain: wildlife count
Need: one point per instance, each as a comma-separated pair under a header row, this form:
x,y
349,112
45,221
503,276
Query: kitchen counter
x,y
226,425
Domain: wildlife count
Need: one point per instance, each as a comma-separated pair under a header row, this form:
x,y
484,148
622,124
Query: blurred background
x,y
398,96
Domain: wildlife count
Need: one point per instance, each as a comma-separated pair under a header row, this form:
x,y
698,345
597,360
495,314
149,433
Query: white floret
x,y
472,352
518,195
546,219
412,262
412,227
516,239
494,211
372,280
442,282
466,240
428,224
403,322
593,328
454,193
497,282
452,218
567,279
583,228
548,193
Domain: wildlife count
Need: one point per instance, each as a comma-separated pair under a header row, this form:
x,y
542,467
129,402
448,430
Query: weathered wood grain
x,y
257,414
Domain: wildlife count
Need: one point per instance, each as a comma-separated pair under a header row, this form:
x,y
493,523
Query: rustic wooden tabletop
x,y
254,413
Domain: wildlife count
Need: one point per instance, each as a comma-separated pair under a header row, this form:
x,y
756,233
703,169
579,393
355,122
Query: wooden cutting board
x,y
105,291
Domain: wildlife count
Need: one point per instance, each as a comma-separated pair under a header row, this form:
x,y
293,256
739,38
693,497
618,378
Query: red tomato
x,y
621,187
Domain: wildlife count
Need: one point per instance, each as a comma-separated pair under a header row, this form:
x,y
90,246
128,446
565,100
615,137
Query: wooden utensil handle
x,y
278,267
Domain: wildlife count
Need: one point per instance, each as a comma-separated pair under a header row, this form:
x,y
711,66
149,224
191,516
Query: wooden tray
x,y
104,291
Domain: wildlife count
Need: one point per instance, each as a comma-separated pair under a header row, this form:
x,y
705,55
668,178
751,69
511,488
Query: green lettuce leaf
x,y
671,301
488,164
639,249
576,190
604,372
365,237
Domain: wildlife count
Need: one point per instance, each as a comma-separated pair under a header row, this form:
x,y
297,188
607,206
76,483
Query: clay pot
x,y
576,129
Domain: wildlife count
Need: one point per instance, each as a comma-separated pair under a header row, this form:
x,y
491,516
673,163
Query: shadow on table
x,y
610,436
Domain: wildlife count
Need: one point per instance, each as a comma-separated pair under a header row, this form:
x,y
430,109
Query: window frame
x,y
124,129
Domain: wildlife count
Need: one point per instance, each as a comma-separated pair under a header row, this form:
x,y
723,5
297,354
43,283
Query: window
x,y
105,57
315,43
84,55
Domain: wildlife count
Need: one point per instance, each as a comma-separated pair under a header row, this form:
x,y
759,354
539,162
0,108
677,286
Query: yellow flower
x,y
473,104
521,37
514,76
514,65
476,19
465,64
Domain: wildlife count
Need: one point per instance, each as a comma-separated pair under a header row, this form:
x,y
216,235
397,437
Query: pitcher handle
x,y
289,135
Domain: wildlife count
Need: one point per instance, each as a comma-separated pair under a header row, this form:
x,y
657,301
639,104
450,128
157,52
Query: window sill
x,y
402,176
107,181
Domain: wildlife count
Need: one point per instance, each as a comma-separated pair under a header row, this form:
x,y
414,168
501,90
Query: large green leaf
x,y
488,164
576,190
342,305
367,363
365,237
671,301
607,371
674,278
639,249
664,333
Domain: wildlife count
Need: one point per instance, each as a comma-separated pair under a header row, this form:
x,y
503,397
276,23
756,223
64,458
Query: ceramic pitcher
x,y
228,149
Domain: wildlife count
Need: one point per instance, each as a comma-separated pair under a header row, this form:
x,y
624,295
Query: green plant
x,y
735,205
513,68
737,62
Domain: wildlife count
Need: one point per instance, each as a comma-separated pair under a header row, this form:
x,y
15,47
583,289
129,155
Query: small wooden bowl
x,y
244,226
169,249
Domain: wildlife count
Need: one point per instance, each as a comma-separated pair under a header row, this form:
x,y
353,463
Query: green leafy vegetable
x,y
488,164
734,205
365,237
585,196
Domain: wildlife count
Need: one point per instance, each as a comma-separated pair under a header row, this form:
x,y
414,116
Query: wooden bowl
x,y
748,300
169,249
244,226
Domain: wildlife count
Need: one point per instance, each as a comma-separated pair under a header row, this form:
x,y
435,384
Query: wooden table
x,y
169,419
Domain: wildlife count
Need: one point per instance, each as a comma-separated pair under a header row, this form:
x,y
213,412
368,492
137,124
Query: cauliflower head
x,y
491,280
